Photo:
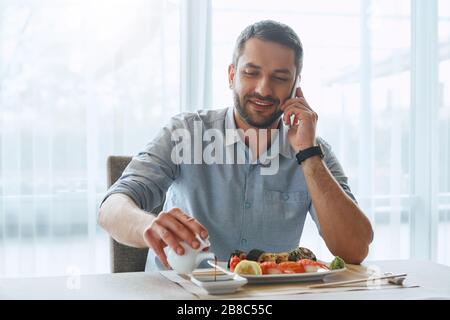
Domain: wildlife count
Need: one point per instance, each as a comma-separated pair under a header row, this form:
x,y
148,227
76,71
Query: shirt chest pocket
x,y
284,215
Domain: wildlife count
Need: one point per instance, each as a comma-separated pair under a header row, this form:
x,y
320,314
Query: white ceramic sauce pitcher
x,y
191,258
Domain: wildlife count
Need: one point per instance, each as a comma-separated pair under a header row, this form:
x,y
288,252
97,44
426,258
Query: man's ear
x,y
231,74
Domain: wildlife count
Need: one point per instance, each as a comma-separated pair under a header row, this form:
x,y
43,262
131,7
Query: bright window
x,y
79,80
443,116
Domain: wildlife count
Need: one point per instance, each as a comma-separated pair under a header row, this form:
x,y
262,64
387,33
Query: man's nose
x,y
264,88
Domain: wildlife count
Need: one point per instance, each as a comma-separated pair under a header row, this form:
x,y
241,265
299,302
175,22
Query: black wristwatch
x,y
302,155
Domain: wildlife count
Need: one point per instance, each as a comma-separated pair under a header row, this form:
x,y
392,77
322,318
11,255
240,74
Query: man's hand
x,y
170,228
302,134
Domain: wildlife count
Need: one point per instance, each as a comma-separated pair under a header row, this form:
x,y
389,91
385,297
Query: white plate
x,y
274,278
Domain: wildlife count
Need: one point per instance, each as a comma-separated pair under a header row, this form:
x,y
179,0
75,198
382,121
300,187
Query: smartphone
x,y
294,90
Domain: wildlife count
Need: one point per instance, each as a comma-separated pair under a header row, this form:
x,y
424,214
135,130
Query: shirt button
x,y
248,205
285,196
244,241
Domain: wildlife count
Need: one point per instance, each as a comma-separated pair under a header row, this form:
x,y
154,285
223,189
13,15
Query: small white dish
x,y
212,276
225,283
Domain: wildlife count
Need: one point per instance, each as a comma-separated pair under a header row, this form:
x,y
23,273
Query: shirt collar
x,y
230,127
283,147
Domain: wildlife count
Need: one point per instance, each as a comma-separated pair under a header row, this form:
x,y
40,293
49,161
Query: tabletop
x,y
433,283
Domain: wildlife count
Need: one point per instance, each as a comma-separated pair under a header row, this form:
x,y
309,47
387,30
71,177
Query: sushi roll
x,y
255,255
267,257
301,253
282,257
242,255
262,256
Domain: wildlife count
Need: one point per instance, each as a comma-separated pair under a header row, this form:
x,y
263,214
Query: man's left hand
x,y
302,134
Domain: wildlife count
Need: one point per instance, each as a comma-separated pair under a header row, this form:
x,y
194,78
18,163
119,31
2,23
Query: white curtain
x,y
440,224
79,80
196,76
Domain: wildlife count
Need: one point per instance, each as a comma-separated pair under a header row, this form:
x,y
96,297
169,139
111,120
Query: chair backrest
x,y
124,258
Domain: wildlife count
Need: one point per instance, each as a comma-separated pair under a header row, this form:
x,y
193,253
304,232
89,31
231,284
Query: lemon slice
x,y
248,267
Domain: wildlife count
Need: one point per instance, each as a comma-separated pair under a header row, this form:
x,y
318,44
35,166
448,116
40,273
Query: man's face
x,y
262,81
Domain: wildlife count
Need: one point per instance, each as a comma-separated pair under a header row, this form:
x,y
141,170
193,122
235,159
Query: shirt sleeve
x,y
151,172
337,171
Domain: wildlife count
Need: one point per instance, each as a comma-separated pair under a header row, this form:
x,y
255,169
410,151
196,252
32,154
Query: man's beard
x,y
245,115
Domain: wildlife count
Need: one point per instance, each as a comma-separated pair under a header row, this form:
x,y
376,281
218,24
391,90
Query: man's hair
x,y
269,30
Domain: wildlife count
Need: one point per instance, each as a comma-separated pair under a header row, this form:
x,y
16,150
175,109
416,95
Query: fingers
x,y
300,113
298,97
190,222
181,230
295,101
167,236
170,228
157,245
298,107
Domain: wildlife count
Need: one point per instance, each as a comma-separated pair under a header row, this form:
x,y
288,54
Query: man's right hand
x,y
170,228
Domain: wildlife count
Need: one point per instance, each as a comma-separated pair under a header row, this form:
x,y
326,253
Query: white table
x,y
433,279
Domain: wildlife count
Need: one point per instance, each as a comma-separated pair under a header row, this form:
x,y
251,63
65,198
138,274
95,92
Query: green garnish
x,y
337,263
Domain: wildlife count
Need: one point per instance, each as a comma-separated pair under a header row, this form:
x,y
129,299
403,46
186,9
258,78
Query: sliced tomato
x,y
291,267
270,267
233,262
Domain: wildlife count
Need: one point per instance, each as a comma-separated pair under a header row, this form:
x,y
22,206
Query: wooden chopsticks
x,y
340,283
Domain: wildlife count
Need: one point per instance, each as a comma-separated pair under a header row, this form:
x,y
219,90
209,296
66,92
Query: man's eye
x,y
250,73
280,79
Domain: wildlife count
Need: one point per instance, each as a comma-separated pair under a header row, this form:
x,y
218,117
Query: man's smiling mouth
x,y
260,104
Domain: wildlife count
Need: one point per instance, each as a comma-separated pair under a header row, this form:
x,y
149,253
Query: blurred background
x,y
81,80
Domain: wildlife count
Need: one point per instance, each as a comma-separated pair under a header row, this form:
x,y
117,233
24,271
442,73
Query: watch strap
x,y
302,155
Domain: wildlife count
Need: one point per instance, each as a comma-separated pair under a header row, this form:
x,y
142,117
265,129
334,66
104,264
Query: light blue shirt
x,y
241,207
